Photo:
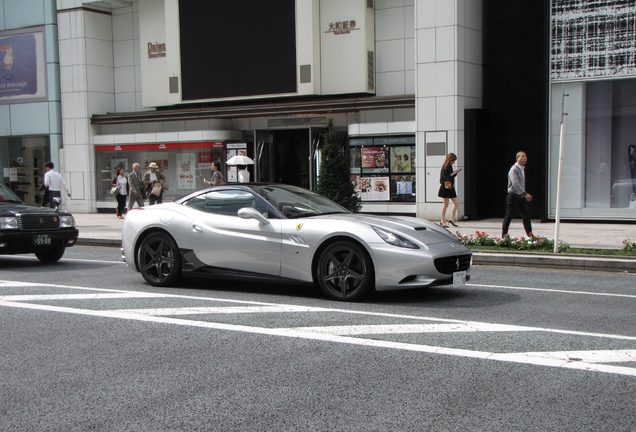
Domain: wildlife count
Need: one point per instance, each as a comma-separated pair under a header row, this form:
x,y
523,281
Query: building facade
x,y
184,84
30,111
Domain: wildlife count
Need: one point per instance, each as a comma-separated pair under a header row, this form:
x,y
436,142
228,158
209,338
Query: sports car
x,y
276,231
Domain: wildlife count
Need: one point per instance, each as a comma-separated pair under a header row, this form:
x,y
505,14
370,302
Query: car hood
x,y
420,229
18,208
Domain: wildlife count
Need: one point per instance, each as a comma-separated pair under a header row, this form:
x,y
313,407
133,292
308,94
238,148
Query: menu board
x,y
374,160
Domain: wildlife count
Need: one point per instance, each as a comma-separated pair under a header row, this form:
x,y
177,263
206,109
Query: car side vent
x,y
420,228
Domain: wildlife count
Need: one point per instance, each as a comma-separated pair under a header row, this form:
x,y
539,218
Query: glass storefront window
x,y
383,168
184,165
610,151
21,160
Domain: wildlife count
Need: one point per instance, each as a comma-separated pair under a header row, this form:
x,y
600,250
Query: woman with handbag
x,y
155,183
447,189
119,188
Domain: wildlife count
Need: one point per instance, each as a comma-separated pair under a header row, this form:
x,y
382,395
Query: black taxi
x,y
27,228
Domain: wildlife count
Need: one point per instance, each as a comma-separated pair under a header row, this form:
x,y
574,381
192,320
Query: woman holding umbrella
x,y
241,161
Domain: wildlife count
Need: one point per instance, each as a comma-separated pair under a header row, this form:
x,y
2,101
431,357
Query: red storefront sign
x,y
161,146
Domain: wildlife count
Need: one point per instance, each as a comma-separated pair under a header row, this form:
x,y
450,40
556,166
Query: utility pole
x,y
559,173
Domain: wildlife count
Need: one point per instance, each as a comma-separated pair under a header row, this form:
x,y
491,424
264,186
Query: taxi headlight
x,y
67,221
8,222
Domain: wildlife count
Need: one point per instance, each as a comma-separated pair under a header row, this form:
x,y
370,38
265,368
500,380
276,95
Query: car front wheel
x,y
51,255
344,271
159,259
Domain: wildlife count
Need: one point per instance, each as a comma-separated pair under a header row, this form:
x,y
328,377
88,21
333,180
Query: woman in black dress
x,y
447,189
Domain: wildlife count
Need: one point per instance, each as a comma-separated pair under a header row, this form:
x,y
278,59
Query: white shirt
x,y
244,176
54,181
122,181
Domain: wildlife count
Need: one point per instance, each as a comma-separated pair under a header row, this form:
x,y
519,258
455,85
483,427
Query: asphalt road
x,y
87,345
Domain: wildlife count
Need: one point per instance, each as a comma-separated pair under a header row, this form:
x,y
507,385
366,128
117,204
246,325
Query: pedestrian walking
x,y
447,189
155,183
136,187
517,197
54,183
120,190
216,178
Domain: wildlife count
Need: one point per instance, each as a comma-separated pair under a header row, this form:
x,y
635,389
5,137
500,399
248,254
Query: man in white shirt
x,y
517,195
54,181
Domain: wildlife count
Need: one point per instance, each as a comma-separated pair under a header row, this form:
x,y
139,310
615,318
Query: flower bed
x,y
538,243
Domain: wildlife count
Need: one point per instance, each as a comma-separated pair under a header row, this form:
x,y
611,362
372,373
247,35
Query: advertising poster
x,y
401,161
373,188
185,171
22,69
374,160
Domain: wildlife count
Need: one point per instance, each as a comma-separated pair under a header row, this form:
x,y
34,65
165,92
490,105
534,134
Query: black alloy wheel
x,y
159,259
344,271
51,255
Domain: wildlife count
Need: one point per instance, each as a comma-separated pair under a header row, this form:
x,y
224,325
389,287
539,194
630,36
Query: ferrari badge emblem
x,y
299,227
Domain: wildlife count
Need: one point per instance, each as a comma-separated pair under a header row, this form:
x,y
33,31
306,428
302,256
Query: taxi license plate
x,y
41,240
459,278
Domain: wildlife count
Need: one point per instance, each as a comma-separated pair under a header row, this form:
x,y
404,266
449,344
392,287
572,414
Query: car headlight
x,y
394,239
67,221
9,222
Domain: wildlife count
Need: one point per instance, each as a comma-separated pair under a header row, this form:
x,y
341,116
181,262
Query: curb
x,y
98,242
594,263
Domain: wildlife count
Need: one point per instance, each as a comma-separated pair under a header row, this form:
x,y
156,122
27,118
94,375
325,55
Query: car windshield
x,y
7,195
295,202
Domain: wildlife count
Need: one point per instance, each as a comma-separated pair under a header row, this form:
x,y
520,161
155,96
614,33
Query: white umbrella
x,y
240,160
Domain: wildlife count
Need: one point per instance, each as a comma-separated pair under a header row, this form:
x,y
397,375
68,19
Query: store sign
x,y
22,69
342,27
160,146
156,50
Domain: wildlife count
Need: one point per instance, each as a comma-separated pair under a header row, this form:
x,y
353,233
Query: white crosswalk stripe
x,y
589,360
353,330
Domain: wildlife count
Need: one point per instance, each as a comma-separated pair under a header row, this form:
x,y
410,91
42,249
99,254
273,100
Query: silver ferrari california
x,y
275,231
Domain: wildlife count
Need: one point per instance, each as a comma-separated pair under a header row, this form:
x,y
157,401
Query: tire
x,y
51,255
159,259
344,271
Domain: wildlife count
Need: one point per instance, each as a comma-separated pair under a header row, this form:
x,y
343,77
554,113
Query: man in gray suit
x,y
137,193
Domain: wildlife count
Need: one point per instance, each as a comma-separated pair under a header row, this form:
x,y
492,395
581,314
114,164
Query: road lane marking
x,y
595,356
350,311
39,297
220,310
309,335
466,327
602,294
94,261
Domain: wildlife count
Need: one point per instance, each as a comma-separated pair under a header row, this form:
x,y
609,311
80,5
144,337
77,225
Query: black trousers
x,y
518,203
121,204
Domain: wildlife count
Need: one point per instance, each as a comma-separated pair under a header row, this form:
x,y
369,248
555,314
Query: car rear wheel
x,y
159,259
344,271
51,255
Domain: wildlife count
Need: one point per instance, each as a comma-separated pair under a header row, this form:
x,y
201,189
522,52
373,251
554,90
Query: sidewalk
x,y
101,229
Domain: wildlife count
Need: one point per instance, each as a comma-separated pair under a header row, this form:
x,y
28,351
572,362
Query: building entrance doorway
x,y
283,156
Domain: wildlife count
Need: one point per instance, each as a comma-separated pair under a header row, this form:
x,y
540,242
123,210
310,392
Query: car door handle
x,y
196,229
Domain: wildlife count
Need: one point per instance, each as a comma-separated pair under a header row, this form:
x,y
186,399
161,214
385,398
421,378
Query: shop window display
x,y
21,159
383,168
610,150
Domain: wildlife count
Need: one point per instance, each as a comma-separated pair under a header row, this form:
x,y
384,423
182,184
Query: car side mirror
x,y
252,213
